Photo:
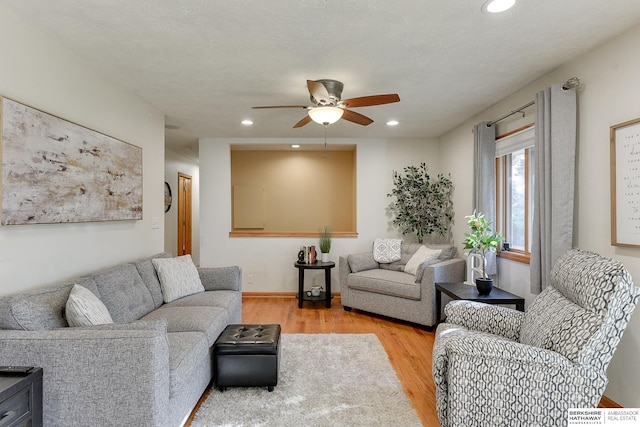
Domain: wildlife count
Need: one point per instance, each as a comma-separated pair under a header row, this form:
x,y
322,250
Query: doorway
x,y
184,214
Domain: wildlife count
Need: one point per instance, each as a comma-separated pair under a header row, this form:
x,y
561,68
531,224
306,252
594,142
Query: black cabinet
x,y
20,397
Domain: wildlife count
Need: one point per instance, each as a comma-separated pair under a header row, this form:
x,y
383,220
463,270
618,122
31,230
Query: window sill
x,y
256,233
515,256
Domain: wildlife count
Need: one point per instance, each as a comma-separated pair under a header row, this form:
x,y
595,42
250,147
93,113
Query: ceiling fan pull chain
x,y
325,141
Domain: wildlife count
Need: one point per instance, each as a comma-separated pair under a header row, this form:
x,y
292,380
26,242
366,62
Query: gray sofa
x,y
386,289
148,368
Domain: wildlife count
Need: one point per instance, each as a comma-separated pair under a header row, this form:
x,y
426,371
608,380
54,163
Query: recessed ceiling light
x,y
393,123
295,146
247,122
497,6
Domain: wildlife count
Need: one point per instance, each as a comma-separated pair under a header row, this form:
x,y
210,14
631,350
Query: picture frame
x,y
625,183
56,171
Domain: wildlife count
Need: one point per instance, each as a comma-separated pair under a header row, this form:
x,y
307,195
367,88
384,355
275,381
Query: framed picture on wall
x,y
55,171
625,184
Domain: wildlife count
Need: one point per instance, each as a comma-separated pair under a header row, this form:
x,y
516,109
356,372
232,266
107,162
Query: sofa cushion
x,y
387,250
150,277
406,252
422,255
178,277
210,321
448,251
231,300
555,323
361,262
394,283
186,352
121,289
85,309
35,310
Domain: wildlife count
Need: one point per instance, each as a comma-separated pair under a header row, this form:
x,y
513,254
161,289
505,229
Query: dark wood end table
x,y
20,396
462,291
326,295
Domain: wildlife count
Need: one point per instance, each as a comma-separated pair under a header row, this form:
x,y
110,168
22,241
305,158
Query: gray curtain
x,y
484,179
554,152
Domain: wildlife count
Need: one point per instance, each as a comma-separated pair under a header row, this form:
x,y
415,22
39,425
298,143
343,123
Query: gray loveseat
x,y
148,368
386,289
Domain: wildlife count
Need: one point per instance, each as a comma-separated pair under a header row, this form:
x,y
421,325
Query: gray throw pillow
x,y
362,262
178,277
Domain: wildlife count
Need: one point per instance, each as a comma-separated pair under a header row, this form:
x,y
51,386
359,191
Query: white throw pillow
x,y
423,254
387,250
85,309
178,277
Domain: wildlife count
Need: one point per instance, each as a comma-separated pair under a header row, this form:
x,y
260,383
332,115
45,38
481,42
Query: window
x,y
514,191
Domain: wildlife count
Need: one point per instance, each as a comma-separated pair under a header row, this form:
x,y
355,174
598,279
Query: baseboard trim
x,y
605,402
336,295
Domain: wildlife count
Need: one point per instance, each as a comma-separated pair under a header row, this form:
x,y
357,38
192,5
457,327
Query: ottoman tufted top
x,y
248,339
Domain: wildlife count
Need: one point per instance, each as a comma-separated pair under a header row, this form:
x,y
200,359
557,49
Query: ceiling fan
x,y
328,107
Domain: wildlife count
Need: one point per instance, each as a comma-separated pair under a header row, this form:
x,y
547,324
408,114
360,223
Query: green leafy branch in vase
x,y
481,239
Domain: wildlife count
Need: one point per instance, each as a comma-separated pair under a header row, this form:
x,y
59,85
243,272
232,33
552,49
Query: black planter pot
x,y
484,285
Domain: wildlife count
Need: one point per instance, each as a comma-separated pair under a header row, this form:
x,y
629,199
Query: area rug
x,y
324,380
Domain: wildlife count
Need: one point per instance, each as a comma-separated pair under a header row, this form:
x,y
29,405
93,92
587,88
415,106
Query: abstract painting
x,y
55,171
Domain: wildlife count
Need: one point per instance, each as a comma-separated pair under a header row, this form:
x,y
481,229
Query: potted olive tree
x,y
481,240
325,243
423,204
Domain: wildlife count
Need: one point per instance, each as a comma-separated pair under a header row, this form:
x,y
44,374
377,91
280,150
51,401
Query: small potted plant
x,y
480,240
325,243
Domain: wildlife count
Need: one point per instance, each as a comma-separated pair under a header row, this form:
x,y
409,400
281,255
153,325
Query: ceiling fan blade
x,y
319,92
367,101
281,106
302,122
358,118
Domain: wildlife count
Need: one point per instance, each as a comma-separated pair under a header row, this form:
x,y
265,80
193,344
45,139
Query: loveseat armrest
x,y
492,319
221,278
343,271
107,375
451,270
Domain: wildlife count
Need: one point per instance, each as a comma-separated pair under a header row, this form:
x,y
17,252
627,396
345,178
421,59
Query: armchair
x,y
494,366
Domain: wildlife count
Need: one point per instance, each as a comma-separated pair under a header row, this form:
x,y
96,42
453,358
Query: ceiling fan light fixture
x,y
497,6
325,115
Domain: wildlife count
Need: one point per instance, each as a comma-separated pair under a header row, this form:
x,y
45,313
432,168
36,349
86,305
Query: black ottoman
x,y
247,356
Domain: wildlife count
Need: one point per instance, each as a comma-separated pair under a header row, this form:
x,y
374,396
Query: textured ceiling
x,y
205,63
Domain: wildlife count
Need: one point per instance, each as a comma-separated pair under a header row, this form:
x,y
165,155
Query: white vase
x,y
324,257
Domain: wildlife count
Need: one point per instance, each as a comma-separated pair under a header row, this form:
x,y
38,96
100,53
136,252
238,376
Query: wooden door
x,y
184,214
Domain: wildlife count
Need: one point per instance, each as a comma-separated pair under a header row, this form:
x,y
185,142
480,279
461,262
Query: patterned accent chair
x,y
494,366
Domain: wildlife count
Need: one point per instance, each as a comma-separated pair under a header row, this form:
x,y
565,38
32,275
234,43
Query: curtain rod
x,y
569,84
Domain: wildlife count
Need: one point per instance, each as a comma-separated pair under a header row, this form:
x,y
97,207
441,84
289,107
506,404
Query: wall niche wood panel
x,y
248,207
303,190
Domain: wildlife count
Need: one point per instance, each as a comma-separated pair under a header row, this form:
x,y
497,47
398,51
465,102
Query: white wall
x,y
609,95
175,164
37,71
270,260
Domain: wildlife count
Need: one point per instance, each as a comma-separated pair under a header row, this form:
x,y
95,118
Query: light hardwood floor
x,y
409,347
